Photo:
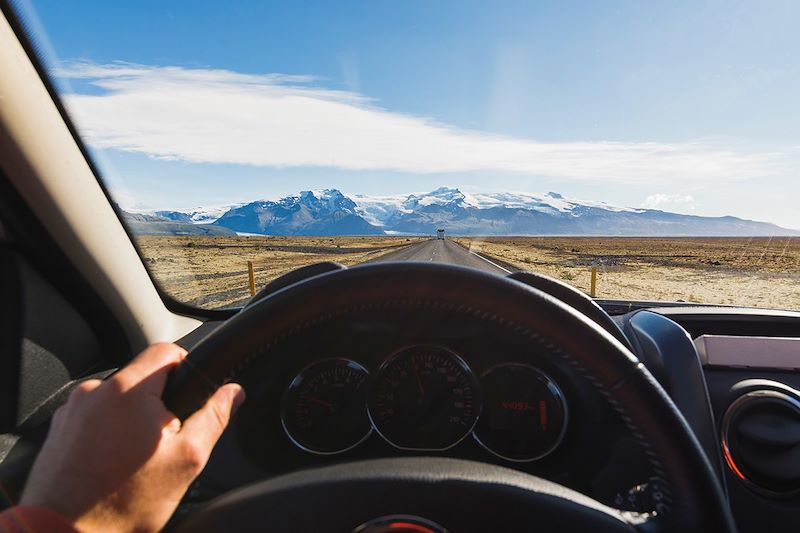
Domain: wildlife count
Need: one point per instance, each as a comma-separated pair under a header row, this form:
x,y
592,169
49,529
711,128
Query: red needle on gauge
x,y
320,402
419,381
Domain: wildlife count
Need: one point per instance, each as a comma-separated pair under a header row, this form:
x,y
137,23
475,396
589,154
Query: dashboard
x,y
383,385
452,389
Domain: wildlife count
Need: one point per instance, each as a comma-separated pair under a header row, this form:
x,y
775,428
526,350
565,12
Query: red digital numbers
x,y
517,406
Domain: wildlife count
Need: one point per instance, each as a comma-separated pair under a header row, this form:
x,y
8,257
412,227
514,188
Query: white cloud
x,y
219,116
654,200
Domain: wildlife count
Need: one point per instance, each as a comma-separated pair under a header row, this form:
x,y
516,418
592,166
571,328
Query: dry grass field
x,y
761,272
212,271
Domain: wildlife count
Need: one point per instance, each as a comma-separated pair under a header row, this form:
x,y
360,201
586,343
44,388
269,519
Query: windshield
x,y
638,151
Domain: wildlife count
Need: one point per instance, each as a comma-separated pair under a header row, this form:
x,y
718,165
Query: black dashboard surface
x,y
597,456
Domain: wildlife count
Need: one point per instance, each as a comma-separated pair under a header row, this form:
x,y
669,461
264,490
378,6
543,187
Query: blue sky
x,y
684,106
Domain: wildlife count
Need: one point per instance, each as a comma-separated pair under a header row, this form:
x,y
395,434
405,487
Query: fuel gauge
x,y
524,413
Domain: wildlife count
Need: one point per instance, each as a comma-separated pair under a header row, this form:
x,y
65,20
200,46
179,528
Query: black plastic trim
x,y
34,243
667,344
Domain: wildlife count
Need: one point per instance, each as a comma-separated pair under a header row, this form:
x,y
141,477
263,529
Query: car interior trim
x,y
749,351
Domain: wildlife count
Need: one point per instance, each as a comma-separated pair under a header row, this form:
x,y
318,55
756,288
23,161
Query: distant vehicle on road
x,y
440,234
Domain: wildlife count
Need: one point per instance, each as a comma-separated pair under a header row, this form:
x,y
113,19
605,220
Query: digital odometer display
x,y
324,409
424,398
524,413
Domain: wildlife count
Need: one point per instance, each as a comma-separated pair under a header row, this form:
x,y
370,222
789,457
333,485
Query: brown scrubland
x,y
212,271
759,271
763,272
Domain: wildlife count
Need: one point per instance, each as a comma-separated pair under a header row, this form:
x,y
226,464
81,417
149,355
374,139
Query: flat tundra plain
x,y
759,271
212,272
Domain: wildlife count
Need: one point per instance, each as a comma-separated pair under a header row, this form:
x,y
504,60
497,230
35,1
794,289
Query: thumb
x,y
206,425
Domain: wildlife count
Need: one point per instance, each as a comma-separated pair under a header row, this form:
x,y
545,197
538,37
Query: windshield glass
x,y
638,151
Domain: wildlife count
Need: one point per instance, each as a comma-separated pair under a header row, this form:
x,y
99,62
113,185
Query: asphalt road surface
x,y
444,251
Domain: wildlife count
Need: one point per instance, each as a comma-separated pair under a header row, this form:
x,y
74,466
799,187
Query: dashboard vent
x,y
761,441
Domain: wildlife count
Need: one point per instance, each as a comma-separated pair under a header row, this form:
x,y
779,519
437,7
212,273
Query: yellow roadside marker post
x,y
252,276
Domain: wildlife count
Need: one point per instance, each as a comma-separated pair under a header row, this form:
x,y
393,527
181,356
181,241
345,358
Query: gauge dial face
x,y
424,398
524,413
324,408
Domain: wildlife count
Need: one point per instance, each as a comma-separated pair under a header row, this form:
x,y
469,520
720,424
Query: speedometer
x,y
424,398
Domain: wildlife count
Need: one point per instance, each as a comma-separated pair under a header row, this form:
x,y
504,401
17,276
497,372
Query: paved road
x,y
444,251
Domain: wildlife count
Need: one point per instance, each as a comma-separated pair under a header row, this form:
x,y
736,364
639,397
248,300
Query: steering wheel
x,y
437,494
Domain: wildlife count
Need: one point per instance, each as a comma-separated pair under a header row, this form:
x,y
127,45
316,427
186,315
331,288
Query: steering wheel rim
x,y
690,499
348,495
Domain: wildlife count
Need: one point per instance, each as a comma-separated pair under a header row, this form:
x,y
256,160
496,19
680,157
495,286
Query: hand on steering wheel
x,y
115,458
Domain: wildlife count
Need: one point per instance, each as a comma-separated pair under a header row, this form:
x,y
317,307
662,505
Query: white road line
x,y
507,271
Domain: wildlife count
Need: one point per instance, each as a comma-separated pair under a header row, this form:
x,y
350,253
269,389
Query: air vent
x,y
761,441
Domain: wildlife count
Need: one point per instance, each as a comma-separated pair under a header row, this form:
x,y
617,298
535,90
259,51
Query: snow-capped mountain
x,y
196,215
326,212
330,212
386,210
141,223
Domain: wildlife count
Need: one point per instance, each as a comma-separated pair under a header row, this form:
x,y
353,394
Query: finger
x,y
150,368
203,429
75,398
84,387
80,391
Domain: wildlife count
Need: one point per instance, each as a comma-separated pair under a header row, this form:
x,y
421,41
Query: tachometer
x,y
424,398
324,408
524,413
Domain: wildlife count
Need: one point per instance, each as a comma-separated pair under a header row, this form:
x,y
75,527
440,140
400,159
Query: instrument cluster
x,y
425,398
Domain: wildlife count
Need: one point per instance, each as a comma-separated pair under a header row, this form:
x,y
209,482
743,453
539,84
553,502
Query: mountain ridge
x,y
157,225
329,212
